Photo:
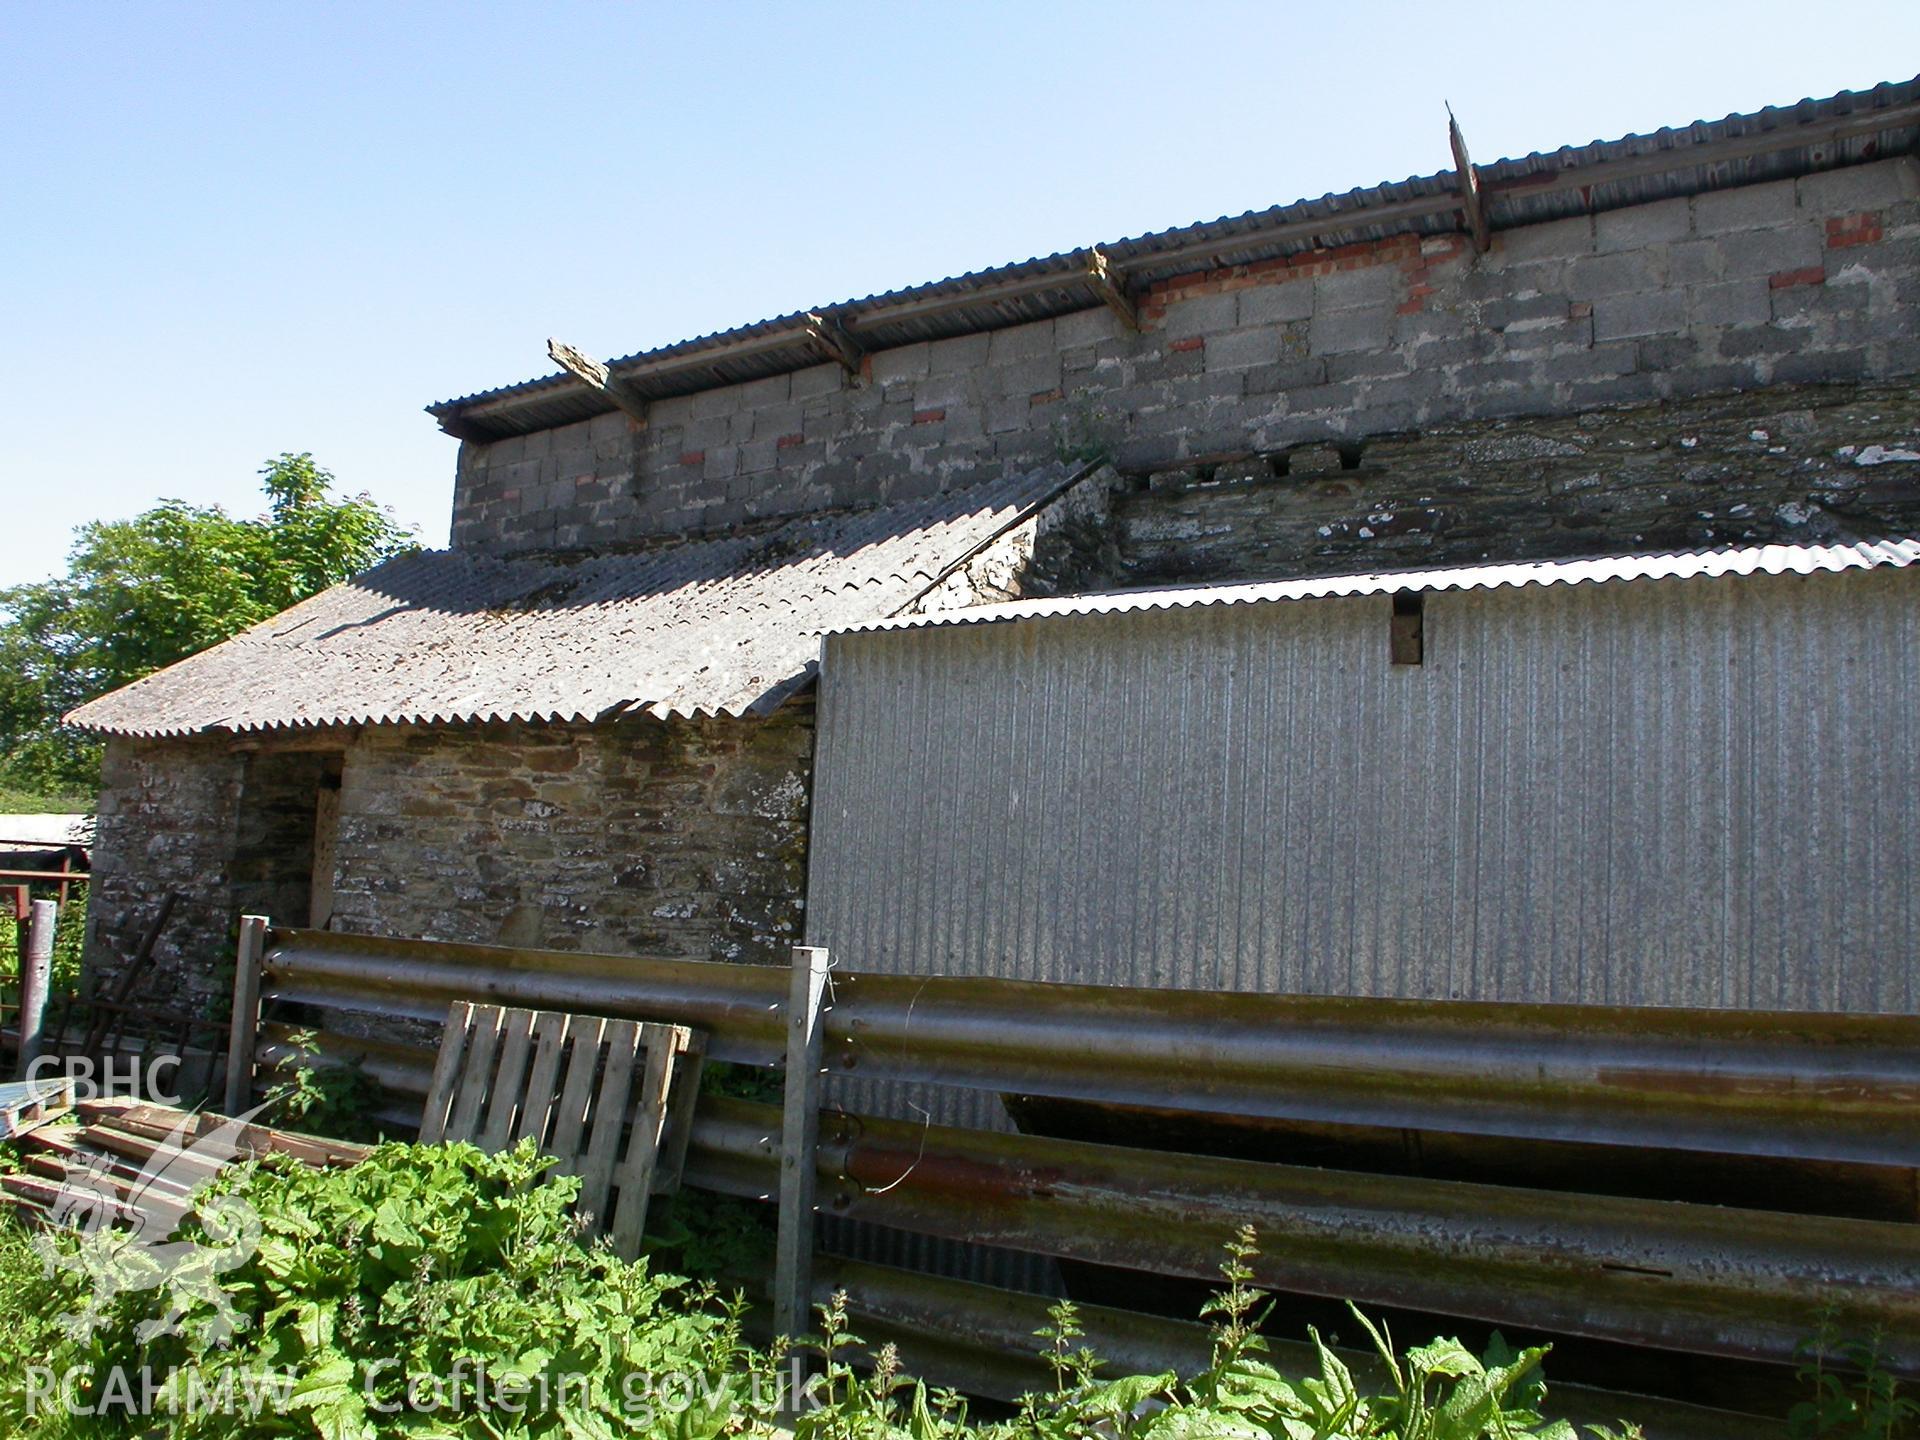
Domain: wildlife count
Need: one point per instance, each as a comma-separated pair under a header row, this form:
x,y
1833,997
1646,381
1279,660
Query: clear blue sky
x,y
233,230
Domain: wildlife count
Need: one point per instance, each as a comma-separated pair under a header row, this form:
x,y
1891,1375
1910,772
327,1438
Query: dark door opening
x,y
283,862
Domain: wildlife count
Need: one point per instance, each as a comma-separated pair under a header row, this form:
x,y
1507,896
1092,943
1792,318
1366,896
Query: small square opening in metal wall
x,y
1407,631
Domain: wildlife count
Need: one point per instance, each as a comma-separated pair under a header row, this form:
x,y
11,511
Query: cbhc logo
x,y
114,1075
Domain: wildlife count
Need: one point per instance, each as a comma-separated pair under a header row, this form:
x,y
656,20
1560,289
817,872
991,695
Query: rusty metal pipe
x,y
1826,1087
1741,1283
399,1068
737,1005
1689,1277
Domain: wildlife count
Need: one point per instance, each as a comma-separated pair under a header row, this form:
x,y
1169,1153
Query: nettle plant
x,y
1439,1391
1852,1393
433,1291
322,1097
427,1291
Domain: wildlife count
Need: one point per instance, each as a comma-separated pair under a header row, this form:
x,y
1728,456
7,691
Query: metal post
x,y
36,977
799,1139
246,1012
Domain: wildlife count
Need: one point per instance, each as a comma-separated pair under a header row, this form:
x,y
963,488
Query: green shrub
x,y
713,1236
421,1261
1439,1391
27,1321
1853,1396
69,934
318,1096
316,1295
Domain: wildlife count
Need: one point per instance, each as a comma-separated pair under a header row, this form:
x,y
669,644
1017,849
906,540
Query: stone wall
x,y
168,814
1781,283
1783,464
685,839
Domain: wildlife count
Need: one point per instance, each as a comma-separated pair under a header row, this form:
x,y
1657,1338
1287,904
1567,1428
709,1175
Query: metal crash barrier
x,y
1708,1279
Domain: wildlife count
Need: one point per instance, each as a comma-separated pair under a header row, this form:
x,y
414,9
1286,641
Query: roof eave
x,y
1537,188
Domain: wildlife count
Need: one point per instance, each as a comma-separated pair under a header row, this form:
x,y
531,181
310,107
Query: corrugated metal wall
x,y
1700,792
1694,793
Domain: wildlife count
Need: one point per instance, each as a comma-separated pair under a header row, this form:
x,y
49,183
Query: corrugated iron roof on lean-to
x,y
1609,569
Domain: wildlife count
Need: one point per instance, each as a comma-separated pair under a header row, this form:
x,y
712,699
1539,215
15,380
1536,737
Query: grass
x,y
33,802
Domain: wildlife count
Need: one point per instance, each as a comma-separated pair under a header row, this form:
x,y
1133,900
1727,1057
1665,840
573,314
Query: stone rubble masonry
x,y
685,839
1783,464
1063,547
1792,281
168,818
682,839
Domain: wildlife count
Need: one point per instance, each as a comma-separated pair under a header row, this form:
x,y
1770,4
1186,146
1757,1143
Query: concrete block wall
x,y
1782,283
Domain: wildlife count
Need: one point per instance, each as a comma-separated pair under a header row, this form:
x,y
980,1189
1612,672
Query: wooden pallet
x,y
113,1144
28,1104
568,1081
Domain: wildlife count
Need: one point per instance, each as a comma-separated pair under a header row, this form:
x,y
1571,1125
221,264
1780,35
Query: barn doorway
x,y
284,842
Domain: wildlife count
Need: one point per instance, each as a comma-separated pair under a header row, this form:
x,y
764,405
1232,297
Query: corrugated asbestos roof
x,y
728,626
1684,565
1770,144
44,830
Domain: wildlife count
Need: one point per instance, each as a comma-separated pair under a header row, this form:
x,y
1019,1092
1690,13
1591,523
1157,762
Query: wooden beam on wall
x,y
330,740
1472,202
584,368
461,430
1111,292
834,342
490,419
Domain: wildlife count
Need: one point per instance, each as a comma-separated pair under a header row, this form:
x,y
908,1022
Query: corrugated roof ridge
x,y
1897,552
1804,111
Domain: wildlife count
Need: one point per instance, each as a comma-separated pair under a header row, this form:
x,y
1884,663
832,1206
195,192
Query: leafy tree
x,y
140,594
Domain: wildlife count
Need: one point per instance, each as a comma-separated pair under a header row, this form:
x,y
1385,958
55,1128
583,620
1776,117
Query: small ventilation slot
x,y
1406,636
